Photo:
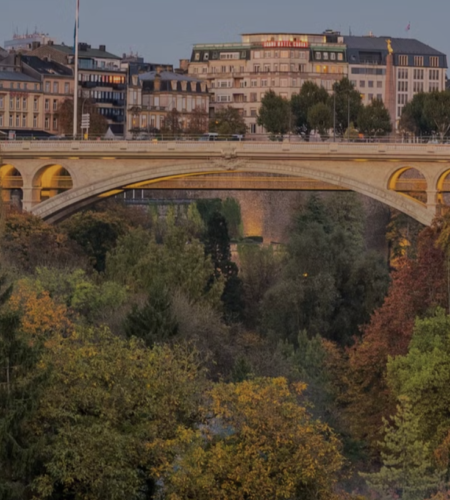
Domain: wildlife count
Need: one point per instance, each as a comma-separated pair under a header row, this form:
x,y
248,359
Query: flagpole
x,y
75,73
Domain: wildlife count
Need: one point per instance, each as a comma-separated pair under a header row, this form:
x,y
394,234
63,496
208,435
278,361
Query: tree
x,y
422,375
374,119
96,232
154,321
436,111
107,399
228,121
172,123
310,94
198,122
320,118
348,104
407,469
98,123
417,286
275,114
217,246
256,443
413,118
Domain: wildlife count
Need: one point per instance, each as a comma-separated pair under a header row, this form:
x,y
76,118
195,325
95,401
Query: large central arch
x,y
64,204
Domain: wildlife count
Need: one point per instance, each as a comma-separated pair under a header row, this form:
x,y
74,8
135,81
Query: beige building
x,y
239,74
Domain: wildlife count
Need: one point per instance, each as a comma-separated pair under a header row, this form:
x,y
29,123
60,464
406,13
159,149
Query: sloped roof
x,y
399,45
167,76
16,77
86,54
45,67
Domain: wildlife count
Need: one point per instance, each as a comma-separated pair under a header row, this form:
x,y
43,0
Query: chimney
x,y
184,65
50,42
157,82
102,48
35,45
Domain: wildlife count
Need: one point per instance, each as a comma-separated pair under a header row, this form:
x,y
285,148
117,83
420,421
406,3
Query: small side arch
x,y
52,180
410,182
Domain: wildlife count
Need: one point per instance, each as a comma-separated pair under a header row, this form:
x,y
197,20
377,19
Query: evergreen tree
x,y
407,470
154,322
217,245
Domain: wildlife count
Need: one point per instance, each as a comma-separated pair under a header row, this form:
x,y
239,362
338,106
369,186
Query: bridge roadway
x,y
72,174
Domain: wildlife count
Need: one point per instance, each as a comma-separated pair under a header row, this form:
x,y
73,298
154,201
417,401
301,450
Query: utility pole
x,y
75,71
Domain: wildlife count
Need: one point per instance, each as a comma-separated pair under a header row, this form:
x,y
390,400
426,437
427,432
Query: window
x,y
379,85
223,98
17,102
370,96
325,56
340,56
284,54
418,87
294,82
432,86
253,112
256,68
418,74
253,128
266,68
55,104
333,56
47,86
399,111
24,121
402,98
402,86
34,121
434,61
11,103
253,83
1,102
11,123
223,69
302,68
418,60
206,56
47,123
17,120
318,56
264,83
229,55
35,104
283,82
403,60
284,67
434,74
293,66
47,104
55,123
24,103
253,97
402,74
55,87
1,120
379,97
370,84
362,83
256,54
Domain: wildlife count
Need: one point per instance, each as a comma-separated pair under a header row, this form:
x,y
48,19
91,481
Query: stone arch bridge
x,y
53,179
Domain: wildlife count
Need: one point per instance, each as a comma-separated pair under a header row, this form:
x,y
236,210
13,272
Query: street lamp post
x,y
334,116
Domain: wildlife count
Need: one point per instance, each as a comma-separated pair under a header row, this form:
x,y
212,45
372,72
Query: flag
x,y
408,27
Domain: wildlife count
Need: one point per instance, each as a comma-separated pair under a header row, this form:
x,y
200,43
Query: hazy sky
x,y
165,30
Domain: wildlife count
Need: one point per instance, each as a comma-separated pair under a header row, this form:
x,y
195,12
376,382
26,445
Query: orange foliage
x,y
417,286
41,316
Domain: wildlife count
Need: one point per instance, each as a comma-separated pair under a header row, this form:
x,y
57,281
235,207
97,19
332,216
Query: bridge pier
x,y
31,197
433,204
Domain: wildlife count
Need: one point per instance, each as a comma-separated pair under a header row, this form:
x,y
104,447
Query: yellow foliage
x,y
41,317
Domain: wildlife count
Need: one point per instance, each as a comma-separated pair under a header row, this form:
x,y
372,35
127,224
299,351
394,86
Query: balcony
x,y
89,85
119,86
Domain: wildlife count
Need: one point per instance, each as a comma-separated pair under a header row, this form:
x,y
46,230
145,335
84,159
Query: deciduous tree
x,y
374,119
310,94
98,123
228,121
275,114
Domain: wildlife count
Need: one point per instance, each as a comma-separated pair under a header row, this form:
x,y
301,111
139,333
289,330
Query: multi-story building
x,y
417,68
155,94
239,74
27,42
100,78
21,112
56,84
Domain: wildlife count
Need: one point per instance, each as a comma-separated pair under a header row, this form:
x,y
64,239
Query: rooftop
x,y
399,45
167,76
16,77
45,67
85,51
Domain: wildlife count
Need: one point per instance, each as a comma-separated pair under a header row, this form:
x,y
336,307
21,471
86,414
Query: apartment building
x,y
57,86
239,74
417,68
100,78
154,94
21,112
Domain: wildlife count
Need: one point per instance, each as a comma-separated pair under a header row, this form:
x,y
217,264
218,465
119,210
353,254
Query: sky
x,y
164,31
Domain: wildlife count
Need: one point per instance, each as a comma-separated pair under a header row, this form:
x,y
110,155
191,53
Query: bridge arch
x,y
63,205
11,182
413,186
52,180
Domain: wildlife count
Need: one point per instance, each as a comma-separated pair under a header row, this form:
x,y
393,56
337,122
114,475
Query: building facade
x,y
416,68
239,74
100,79
153,95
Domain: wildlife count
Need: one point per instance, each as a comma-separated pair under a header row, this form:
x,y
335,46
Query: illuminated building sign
x,y
298,45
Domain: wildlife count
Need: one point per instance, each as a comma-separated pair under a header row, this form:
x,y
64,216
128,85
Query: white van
x,y
209,136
